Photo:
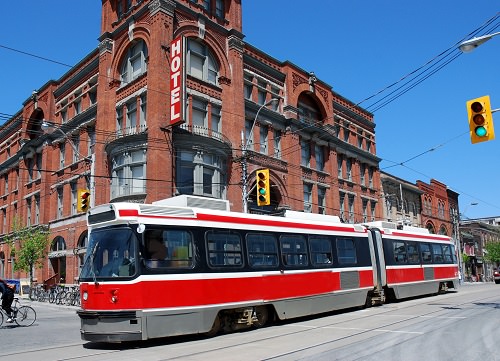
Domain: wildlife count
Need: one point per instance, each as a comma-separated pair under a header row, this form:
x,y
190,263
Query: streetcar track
x,y
331,325
108,350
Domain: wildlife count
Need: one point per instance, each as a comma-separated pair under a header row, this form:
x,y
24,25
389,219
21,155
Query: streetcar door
x,y
379,261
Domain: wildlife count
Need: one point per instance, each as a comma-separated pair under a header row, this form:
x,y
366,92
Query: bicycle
x,y
23,315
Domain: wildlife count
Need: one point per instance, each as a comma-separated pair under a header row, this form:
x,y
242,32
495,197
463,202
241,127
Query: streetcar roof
x,y
162,212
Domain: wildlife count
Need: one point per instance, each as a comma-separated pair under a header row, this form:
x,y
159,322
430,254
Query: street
x,y
454,326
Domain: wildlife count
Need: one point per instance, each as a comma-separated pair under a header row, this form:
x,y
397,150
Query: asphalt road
x,y
455,326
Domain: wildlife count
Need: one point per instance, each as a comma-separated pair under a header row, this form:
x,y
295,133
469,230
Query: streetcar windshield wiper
x,y
92,256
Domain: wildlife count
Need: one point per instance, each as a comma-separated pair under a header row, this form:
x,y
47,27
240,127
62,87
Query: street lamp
x,y
244,175
48,128
458,244
469,45
465,211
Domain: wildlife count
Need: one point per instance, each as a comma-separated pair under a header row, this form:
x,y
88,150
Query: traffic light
x,y
263,188
480,120
83,202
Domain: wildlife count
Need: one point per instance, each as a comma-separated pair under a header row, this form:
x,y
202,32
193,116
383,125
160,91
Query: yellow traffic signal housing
x,y
83,202
480,120
263,188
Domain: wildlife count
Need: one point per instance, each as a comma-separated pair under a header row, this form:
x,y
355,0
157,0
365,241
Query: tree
x,y
29,246
465,262
492,252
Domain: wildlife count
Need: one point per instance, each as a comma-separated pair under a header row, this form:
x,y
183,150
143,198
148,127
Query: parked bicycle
x,y
23,315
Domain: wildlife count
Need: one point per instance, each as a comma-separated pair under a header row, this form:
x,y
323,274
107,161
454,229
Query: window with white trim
x,y
321,200
348,168
320,158
62,155
128,173
307,198
263,145
134,63
277,144
305,153
60,202
74,198
351,208
37,209
201,172
201,63
75,138
28,212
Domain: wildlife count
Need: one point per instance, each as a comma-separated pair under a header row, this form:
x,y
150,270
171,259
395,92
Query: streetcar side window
x,y
224,249
172,248
262,250
447,255
425,252
412,250
399,251
294,250
321,251
437,252
180,245
346,251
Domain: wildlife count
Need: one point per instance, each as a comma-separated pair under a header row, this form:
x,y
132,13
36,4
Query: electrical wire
x,y
416,77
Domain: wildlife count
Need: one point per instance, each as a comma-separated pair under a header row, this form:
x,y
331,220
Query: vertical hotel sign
x,y
177,81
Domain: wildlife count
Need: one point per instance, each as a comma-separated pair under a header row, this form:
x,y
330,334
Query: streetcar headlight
x,y
85,295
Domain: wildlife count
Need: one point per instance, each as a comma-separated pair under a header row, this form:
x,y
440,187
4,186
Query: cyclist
x,y
7,291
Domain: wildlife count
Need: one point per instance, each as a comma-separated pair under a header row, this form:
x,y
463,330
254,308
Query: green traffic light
x,y
262,191
481,131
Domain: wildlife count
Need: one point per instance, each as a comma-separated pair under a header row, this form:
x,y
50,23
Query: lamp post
x,y
458,244
469,45
244,176
48,128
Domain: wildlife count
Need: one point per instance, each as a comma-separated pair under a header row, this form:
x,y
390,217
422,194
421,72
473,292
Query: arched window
x,y
58,244
201,63
134,63
309,112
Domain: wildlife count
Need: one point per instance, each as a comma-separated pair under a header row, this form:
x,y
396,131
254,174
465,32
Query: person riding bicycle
x,y
7,291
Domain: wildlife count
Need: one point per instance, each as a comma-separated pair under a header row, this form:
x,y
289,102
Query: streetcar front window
x,y
111,253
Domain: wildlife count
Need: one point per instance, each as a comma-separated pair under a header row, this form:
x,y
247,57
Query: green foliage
x,y
29,247
493,252
465,258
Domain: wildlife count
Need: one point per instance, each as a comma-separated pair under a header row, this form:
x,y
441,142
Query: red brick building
x,y
439,208
112,134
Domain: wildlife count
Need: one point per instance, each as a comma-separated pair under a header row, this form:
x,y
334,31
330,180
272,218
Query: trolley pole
x,y
244,154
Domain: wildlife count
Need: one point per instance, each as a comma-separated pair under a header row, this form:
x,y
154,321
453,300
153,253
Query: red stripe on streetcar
x,y
201,292
271,223
243,220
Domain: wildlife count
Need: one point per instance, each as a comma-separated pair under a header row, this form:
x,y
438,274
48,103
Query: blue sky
x,y
357,47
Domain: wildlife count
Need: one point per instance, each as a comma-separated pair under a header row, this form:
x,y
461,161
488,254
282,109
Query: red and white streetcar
x,y
188,265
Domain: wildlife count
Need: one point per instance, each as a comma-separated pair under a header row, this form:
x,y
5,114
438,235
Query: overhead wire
x,y
415,78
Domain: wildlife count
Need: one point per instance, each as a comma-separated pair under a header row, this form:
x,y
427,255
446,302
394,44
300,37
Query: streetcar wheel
x,y
215,327
262,314
25,316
